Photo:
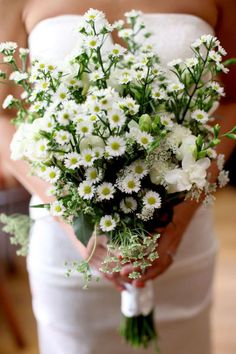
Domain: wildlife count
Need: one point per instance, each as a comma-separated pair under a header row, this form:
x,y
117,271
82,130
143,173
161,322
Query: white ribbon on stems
x,y
137,301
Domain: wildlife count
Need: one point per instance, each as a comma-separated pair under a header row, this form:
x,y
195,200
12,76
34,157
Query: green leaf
x,y
229,62
83,228
230,136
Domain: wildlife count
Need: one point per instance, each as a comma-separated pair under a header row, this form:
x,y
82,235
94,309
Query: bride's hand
x,y
97,257
168,243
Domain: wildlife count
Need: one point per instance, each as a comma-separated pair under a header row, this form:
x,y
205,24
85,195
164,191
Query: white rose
x,y
196,170
187,147
177,181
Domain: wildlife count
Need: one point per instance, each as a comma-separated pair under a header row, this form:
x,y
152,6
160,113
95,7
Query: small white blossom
x,y
216,87
72,160
128,205
84,128
115,146
116,118
86,190
146,214
62,137
64,117
223,178
144,139
213,55
191,62
220,161
8,101
159,94
166,120
118,24
7,46
105,191
107,223
125,33
174,63
24,51
51,174
94,15
87,157
130,184
177,86
93,174
92,42
152,200
221,50
17,76
57,208
117,50
139,168
200,116
51,191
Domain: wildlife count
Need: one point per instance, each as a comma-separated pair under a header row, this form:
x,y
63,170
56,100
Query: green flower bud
x,y
145,123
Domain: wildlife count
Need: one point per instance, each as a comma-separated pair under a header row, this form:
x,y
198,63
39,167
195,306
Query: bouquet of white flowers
x,y
122,139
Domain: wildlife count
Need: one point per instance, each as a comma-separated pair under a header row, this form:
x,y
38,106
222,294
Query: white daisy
x,y
51,174
130,184
166,120
105,191
51,191
144,138
152,200
159,94
41,148
86,190
200,116
125,33
62,137
117,50
93,15
96,75
72,160
178,86
115,146
87,157
84,128
92,42
107,223
116,118
139,168
57,208
61,93
64,117
93,174
128,205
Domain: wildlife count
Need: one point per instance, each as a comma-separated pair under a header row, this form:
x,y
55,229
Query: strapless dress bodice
x,y
55,37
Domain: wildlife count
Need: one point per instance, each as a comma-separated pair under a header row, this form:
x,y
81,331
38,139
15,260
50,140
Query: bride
x,y
70,320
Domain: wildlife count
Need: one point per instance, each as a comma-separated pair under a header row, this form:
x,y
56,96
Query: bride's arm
x,y
12,29
226,117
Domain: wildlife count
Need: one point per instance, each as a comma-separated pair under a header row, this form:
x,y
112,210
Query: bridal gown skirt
x,y
71,320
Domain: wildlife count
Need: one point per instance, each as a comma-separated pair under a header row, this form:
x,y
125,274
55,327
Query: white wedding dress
x,y
74,321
